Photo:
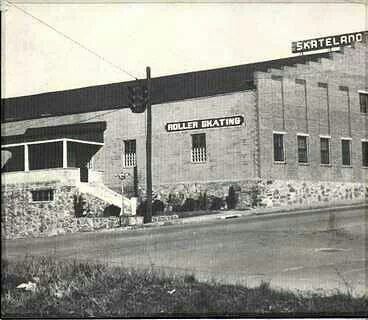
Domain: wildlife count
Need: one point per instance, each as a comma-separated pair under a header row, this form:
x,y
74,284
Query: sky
x,y
168,37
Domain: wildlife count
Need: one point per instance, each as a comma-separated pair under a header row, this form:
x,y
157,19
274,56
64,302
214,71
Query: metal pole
x,y
148,214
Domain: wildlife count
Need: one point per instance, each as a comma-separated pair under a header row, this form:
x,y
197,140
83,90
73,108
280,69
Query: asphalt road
x,y
316,251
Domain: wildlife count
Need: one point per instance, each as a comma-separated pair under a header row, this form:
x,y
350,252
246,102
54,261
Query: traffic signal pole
x,y
148,213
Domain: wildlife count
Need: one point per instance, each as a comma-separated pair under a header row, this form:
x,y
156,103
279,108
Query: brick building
x,y
291,131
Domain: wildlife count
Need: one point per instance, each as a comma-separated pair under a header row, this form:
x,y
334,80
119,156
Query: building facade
x,y
284,132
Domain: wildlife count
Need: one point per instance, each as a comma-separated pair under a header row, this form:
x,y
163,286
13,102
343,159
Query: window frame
x,y
202,154
328,138
363,110
349,140
306,136
50,195
127,161
90,163
282,134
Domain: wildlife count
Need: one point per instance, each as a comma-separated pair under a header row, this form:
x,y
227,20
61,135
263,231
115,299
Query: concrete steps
x,y
99,190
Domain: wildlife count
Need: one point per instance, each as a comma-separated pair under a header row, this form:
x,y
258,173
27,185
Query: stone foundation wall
x,y
264,193
304,193
21,217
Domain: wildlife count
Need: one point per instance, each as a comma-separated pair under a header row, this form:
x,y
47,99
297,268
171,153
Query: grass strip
x,y
78,289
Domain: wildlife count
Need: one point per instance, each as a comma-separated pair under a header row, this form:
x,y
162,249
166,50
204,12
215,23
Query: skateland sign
x,y
205,124
327,42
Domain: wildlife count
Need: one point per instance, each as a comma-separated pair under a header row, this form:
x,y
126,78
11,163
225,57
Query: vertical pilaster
x,y
65,154
26,158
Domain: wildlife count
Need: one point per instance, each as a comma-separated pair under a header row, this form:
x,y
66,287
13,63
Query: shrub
x,y
216,203
79,204
175,202
190,205
255,196
203,201
157,207
190,278
232,198
111,211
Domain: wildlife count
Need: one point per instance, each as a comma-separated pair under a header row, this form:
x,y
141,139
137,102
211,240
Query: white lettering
x,y
230,121
299,46
314,44
344,40
335,42
328,42
208,123
359,37
351,38
205,123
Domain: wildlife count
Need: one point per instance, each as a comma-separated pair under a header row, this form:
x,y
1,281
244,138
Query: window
x,y
365,153
363,98
130,158
346,151
325,151
90,163
302,149
278,147
199,152
43,195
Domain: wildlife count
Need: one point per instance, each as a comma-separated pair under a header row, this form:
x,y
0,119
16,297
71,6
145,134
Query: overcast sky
x,y
171,38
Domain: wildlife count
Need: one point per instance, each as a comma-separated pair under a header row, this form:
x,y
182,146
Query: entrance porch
x,y
52,154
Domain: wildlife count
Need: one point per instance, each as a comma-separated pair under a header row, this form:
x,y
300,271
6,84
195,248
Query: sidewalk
x,y
267,212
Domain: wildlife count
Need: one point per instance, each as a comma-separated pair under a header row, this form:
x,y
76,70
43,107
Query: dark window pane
x,y
14,159
199,150
325,151
302,149
130,158
363,97
365,153
345,148
43,195
278,147
46,155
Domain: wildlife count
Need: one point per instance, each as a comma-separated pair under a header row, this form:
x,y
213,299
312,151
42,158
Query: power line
x,y
74,41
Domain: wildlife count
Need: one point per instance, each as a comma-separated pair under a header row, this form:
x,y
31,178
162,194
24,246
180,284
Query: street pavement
x,y
318,251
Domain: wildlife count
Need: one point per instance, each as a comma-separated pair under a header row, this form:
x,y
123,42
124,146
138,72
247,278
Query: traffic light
x,y
138,98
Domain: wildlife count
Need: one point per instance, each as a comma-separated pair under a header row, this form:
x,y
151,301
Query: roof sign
x,y
327,42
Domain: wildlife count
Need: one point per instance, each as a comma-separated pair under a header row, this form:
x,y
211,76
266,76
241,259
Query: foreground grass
x,y
84,290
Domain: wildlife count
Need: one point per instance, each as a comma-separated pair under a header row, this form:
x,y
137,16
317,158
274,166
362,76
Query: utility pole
x,y
148,213
139,96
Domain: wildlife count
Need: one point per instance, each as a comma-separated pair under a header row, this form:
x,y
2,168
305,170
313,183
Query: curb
x,y
260,213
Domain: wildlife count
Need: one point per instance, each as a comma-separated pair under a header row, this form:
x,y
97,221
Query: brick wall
x,y
341,70
230,151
